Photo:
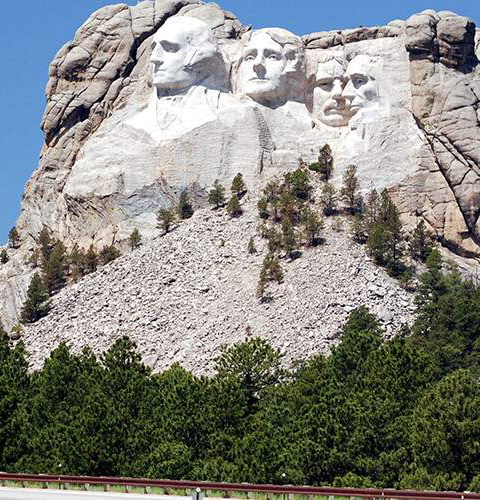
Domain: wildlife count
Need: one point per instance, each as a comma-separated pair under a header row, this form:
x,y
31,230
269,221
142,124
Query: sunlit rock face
x,y
169,95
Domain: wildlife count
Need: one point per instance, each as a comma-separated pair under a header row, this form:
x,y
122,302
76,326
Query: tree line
x,y
375,413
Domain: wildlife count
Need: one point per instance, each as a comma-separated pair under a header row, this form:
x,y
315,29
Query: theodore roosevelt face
x,y
329,105
179,48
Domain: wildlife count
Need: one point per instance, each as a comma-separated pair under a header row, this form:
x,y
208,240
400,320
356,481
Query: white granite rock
x,y
120,143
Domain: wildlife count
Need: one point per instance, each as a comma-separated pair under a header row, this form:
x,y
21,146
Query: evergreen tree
x,y
390,219
216,195
313,226
255,365
262,206
135,239
3,256
36,304
55,269
378,244
372,209
358,229
238,186
46,245
91,260
274,239
251,249
298,183
165,218
14,238
76,261
271,271
324,165
421,243
289,238
184,208
329,199
108,254
349,191
234,208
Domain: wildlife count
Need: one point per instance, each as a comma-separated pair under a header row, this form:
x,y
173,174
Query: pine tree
x,y
91,260
135,239
109,253
271,271
313,226
55,269
251,249
76,261
358,229
274,239
324,165
262,206
298,183
36,305
238,186
328,199
46,245
184,208
421,243
390,219
233,208
216,195
4,256
289,239
165,218
372,209
349,191
14,238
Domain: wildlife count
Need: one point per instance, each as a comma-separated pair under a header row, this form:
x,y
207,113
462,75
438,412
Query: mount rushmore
x,y
172,94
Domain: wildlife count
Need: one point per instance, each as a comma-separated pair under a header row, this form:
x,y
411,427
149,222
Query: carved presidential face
x,y
361,89
181,50
329,105
270,59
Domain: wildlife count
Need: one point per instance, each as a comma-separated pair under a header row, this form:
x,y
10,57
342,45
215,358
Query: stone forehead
x,y
187,28
362,64
279,35
330,68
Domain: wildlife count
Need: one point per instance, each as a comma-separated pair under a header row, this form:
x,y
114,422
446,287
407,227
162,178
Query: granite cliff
x,y
127,128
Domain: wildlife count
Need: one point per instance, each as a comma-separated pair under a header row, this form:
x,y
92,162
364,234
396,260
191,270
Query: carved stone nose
x,y
259,69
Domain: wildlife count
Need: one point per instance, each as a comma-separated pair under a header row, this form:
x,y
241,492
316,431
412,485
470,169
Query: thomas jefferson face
x,y
261,73
329,105
177,49
362,88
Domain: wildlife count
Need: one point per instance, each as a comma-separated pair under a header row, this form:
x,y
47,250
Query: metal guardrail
x,y
267,489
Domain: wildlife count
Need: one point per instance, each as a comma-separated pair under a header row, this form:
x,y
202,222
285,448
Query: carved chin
x,y
335,118
261,89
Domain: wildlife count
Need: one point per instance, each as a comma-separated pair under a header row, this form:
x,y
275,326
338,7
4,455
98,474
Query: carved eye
x,y
273,57
358,81
170,47
326,86
250,57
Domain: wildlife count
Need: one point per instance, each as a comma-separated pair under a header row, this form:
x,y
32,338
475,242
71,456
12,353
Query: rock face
x,y
172,94
185,294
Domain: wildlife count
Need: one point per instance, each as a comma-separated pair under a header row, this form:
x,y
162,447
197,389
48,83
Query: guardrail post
x,y
127,488
86,486
23,484
106,487
291,496
147,490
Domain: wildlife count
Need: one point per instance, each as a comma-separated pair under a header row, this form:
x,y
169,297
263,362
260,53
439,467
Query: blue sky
x,y
33,31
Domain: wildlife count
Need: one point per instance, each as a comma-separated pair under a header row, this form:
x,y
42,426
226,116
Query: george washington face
x,y
181,50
